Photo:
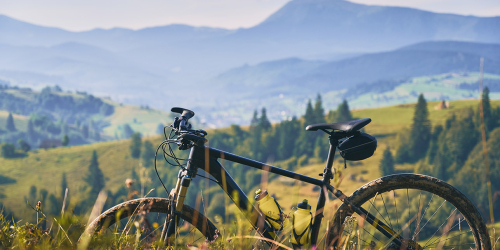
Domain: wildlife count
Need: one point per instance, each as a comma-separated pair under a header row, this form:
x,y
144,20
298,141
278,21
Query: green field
x,y
141,119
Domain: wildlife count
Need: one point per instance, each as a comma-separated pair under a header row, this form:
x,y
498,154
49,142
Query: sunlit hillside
x,y
44,168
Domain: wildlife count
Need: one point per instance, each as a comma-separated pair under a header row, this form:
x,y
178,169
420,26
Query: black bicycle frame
x,y
206,158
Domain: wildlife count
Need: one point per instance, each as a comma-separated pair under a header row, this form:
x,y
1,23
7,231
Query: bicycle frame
x,y
206,158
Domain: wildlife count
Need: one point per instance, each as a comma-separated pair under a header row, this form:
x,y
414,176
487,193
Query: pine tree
x,y
287,142
387,163
8,150
321,144
255,120
64,128
306,140
10,123
30,134
33,194
65,140
160,129
95,178
332,116
148,154
53,205
310,116
127,131
264,122
319,112
420,134
433,148
343,112
23,145
490,121
135,145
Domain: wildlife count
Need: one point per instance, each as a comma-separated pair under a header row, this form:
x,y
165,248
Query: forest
x,y
55,119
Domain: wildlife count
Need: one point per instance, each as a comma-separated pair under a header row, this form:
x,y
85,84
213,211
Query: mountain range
x,y
354,43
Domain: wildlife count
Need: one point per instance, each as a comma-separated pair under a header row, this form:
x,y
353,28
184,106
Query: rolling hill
x,y
44,168
428,58
55,113
120,62
444,70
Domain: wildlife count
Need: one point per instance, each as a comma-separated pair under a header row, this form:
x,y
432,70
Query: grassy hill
x,y
44,168
73,108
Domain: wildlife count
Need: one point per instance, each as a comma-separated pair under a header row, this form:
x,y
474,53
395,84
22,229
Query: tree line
x,y
54,116
453,151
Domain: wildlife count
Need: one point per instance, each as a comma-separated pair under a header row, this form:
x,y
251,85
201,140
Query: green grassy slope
x,y
20,121
141,119
44,168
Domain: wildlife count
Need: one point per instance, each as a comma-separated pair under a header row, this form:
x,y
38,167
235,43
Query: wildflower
x,y
129,182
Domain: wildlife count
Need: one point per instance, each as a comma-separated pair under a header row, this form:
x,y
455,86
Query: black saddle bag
x,y
358,147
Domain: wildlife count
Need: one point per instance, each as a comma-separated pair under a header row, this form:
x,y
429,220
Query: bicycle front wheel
x,y
426,212
151,205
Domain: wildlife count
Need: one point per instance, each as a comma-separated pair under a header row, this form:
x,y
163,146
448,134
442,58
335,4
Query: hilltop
x,y
85,118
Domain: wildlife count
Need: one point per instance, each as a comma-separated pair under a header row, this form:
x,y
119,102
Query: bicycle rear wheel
x,y
151,205
427,212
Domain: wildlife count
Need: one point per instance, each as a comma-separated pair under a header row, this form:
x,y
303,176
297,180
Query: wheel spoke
x,y
419,218
452,213
434,242
409,216
450,230
386,212
396,207
434,231
379,213
431,216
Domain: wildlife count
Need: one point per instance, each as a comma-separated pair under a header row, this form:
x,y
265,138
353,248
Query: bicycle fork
x,y
179,195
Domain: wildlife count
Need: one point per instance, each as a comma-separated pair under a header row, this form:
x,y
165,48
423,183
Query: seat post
x,y
327,176
331,153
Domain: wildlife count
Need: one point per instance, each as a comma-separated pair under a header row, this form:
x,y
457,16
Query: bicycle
x,y
367,203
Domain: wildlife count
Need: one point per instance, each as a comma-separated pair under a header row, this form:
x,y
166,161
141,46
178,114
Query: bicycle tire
x,y
418,182
155,205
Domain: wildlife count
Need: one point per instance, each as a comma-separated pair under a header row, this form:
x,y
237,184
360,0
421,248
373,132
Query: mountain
x,y
443,70
300,28
309,77
151,65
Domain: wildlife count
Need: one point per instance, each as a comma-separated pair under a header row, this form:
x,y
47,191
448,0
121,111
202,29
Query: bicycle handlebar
x,y
183,129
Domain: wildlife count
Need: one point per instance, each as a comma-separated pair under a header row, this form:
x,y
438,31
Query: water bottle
x,y
271,209
301,225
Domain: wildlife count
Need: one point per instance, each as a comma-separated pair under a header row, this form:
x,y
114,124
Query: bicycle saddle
x,y
348,127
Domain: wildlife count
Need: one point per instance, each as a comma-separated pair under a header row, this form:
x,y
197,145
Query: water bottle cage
x,y
299,236
280,220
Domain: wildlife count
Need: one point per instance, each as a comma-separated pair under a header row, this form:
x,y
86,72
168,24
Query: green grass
x,y
20,121
140,119
146,120
44,168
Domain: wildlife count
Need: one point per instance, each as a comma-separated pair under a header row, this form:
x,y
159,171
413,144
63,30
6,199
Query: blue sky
x,y
79,15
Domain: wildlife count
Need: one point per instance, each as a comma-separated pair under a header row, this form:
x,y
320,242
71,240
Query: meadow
x,y
44,169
